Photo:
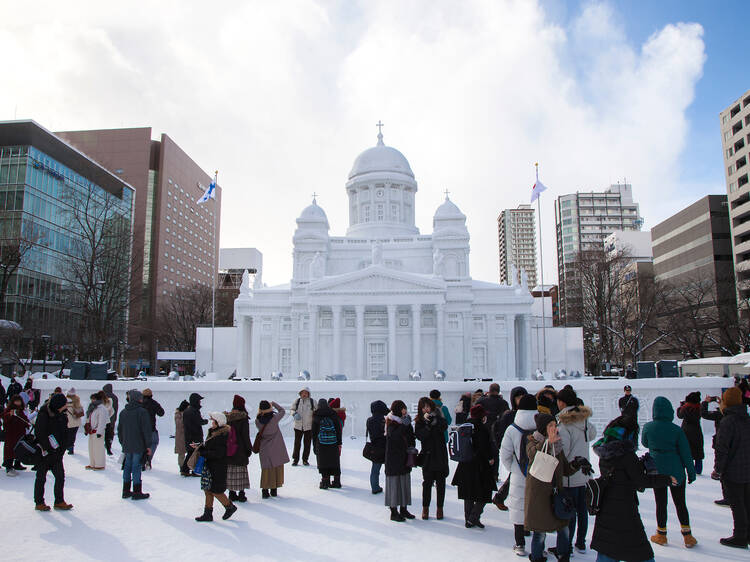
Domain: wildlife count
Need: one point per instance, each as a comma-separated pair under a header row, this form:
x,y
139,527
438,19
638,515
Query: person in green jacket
x,y
670,450
435,397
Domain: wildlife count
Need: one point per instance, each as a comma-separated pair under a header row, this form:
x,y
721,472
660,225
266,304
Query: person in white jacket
x,y
513,455
97,416
575,433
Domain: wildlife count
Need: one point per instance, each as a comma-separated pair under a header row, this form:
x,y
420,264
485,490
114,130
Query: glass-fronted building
x,y
50,194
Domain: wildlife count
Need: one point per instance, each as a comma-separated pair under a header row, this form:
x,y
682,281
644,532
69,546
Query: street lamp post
x,y
45,339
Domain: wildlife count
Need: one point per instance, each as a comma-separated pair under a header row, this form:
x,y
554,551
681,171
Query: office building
x,y
517,242
735,139
50,194
175,240
583,220
693,257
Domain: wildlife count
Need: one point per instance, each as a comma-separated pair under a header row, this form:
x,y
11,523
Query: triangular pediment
x,y
377,279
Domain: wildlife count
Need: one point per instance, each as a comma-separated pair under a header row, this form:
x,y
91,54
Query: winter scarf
x,y
92,407
406,420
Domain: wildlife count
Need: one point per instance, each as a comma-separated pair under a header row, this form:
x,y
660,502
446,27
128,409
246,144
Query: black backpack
x,y
595,488
460,445
523,462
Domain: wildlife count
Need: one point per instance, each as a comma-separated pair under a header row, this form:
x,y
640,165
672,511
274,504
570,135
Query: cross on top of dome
x,y
380,126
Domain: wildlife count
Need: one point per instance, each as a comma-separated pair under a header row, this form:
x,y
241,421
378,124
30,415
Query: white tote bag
x,y
544,465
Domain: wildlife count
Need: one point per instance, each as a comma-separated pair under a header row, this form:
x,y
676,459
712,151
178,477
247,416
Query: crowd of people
x,y
542,440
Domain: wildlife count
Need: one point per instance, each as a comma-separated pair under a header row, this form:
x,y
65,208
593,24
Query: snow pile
x,y
303,523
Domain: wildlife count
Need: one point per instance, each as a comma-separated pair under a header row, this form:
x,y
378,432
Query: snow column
x,y
392,339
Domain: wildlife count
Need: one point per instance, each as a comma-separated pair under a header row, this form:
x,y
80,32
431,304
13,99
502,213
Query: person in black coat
x,y
154,409
495,406
618,529
690,414
51,430
14,387
475,479
399,438
109,431
214,476
238,478
192,423
326,436
733,463
376,433
134,434
716,417
429,428
628,403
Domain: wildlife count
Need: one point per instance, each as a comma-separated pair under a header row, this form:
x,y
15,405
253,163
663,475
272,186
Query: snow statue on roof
x,y
377,252
245,285
343,313
513,275
257,281
437,263
317,267
524,280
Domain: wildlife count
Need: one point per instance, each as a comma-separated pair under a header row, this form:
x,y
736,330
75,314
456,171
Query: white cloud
x,y
281,97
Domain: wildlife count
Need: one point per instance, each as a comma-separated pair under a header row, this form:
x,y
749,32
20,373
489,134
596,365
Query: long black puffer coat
x,y
238,420
399,436
328,457
618,529
376,428
690,414
192,421
215,451
431,435
475,479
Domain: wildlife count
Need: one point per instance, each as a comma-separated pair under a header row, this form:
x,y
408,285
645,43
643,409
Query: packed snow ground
x,y
303,523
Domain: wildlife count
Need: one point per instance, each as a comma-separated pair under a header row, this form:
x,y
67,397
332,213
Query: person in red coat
x,y
15,423
335,404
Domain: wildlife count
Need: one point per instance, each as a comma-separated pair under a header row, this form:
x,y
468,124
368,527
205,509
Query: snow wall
x,y
356,396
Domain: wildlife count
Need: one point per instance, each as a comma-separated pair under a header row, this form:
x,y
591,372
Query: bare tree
x,y
98,273
180,314
12,252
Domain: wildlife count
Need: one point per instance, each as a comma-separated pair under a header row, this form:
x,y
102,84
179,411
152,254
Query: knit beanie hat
x,y
219,418
477,412
542,421
527,402
238,402
731,397
693,398
569,396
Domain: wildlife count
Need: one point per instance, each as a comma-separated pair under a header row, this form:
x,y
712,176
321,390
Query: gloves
x,y
582,464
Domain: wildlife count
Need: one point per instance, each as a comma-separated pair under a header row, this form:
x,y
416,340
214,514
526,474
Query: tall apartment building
x,y
173,243
692,249
517,241
583,220
50,194
735,139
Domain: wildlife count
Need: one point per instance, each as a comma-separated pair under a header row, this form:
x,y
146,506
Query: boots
x,y
138,493
425,513
324,483
265,495
126,493
439,514
659,538
63,506
241,497
208,514
232,496
396,516
734,541
273,492
336,482
404,513
18,466
42,507
689,539
229,511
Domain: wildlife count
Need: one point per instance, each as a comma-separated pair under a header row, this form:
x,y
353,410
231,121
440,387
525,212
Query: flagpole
x,y
214,273
541,271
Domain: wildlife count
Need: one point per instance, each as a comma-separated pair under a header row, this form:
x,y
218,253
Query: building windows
x,y
479,360
285,359
366,213
394,212
380,212
453,322
478,323
286,324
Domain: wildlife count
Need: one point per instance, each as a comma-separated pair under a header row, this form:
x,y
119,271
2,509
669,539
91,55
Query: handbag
x,y
368,451
411,457
87,428
544,465
192,461
562,504
199,465
256,444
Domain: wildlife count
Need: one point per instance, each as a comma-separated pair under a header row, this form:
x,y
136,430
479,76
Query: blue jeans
x,y
537,543
605,558
375,476
154,443
131,468
578,494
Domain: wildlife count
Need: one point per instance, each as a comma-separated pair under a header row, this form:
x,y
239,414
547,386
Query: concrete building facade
x,y
583,220
735,140
174,243
517,243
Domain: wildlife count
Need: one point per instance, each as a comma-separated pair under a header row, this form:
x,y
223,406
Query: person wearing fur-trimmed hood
x,y
214,475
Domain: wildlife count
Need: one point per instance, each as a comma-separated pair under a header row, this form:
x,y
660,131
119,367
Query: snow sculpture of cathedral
x,y
384,299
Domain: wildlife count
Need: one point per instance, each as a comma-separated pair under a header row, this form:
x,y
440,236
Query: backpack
x,y
232,445
595,488
459,443
523,462
327,432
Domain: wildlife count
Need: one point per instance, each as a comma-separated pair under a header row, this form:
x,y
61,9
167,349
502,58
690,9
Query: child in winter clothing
x,y
670,449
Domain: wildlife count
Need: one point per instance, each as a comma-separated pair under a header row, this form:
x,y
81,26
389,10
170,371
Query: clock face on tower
x,y
379,193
